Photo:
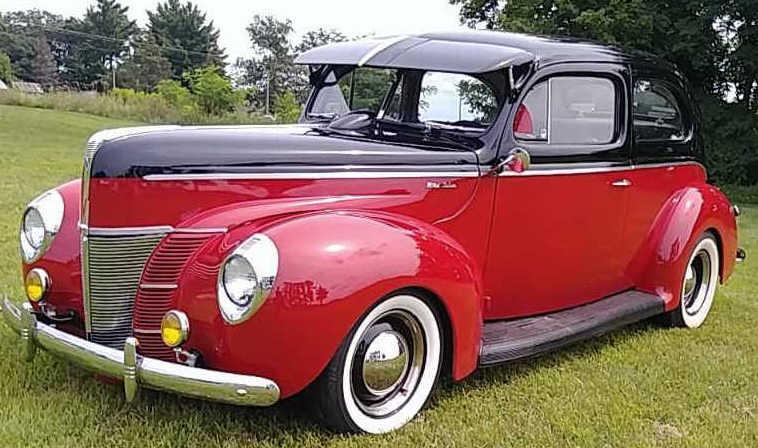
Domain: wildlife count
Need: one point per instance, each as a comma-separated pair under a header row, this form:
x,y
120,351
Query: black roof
x,y
465,51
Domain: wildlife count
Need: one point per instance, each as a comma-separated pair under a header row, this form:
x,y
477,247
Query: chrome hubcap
x,y
689,281
387,364
696,283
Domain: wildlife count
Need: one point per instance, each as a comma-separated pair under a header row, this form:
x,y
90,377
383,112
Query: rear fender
x,y
659,266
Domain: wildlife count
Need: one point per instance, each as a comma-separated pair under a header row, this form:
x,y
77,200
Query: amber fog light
x,y
36,284
174,328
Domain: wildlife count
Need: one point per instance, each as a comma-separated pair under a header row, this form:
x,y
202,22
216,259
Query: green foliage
x,y
109,19
286,108
213,91
42,67
272,69
145,67
731,137
175,93
129,105
369,89
21,33
187,38
6,71
479,99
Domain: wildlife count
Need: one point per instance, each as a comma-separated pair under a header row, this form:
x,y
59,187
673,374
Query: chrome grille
x,y
114,268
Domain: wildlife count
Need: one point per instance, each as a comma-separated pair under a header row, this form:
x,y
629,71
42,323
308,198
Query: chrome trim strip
x,y
557,171
200,230
379,47
141,331
85,279
158,286
136,370
126,231
147,230
313,175
590,169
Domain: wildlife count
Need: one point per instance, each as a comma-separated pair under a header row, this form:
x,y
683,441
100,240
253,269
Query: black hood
x,y
265,149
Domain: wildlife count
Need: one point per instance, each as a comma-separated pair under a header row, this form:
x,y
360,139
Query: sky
x,y
351,17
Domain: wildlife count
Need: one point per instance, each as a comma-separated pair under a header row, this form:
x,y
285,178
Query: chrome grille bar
x,y
115,265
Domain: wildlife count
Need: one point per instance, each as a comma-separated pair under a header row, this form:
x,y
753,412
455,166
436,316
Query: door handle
x,y
622,183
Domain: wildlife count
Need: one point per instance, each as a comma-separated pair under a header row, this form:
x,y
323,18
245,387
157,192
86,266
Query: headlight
x,y
247,277
39,225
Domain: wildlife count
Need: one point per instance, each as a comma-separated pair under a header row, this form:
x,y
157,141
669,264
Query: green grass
x,y
643,386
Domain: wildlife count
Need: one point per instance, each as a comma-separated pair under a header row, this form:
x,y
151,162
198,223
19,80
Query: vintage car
x,y
449,201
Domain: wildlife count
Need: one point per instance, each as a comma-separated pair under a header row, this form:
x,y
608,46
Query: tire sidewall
x,y
708,244
430,324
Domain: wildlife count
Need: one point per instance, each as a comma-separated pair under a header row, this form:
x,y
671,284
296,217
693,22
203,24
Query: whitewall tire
x,y
385,370
699,282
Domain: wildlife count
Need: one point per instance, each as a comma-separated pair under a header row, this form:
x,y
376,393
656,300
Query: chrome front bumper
x,y
137,370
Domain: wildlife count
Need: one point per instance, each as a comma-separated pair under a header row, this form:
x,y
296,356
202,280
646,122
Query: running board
x,y
509,340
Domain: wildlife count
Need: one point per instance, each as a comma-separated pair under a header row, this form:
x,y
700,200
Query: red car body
x,y
487,247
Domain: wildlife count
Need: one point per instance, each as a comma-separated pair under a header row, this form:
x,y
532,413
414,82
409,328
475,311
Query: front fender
x,y
659,267
62,259
333,266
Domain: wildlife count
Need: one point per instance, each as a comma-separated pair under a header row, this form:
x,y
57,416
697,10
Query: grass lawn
x,y
643,386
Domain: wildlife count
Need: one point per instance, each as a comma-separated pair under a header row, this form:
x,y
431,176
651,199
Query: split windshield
x,y
449,100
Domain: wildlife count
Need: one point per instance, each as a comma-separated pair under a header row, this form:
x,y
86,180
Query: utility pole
x,y
268,92
113,74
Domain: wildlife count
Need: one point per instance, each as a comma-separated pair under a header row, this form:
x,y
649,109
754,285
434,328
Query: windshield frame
x,y
320,73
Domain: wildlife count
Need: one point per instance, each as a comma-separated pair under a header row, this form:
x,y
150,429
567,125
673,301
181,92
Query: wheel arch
x,y
659,265
334,266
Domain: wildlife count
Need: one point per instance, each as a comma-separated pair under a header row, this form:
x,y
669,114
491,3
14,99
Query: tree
x,y
19,34
213,91
108,29
714,42
681,31
286,108
741,23
146,66
187,38
6,71
271,71
42,67
317,38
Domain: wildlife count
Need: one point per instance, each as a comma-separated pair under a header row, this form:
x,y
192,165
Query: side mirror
x,y
517,160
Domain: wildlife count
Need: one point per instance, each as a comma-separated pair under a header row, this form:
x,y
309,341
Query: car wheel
x,y
698,285
385,370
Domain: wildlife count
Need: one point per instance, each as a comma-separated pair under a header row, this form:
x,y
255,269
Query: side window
x,y
657,113
456,100
568,110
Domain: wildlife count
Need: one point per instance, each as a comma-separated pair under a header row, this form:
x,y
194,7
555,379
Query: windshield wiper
x,y
323,115
433,134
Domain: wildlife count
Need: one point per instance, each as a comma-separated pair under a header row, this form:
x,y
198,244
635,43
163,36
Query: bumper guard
x,y
137,370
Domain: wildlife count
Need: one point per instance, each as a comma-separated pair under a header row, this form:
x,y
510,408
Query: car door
x,y
666,150
557,226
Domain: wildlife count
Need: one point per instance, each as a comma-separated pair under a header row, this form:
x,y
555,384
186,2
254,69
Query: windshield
x,y
436,99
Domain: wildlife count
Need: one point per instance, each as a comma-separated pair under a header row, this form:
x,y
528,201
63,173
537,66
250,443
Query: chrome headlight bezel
x,y
262,256
50,207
